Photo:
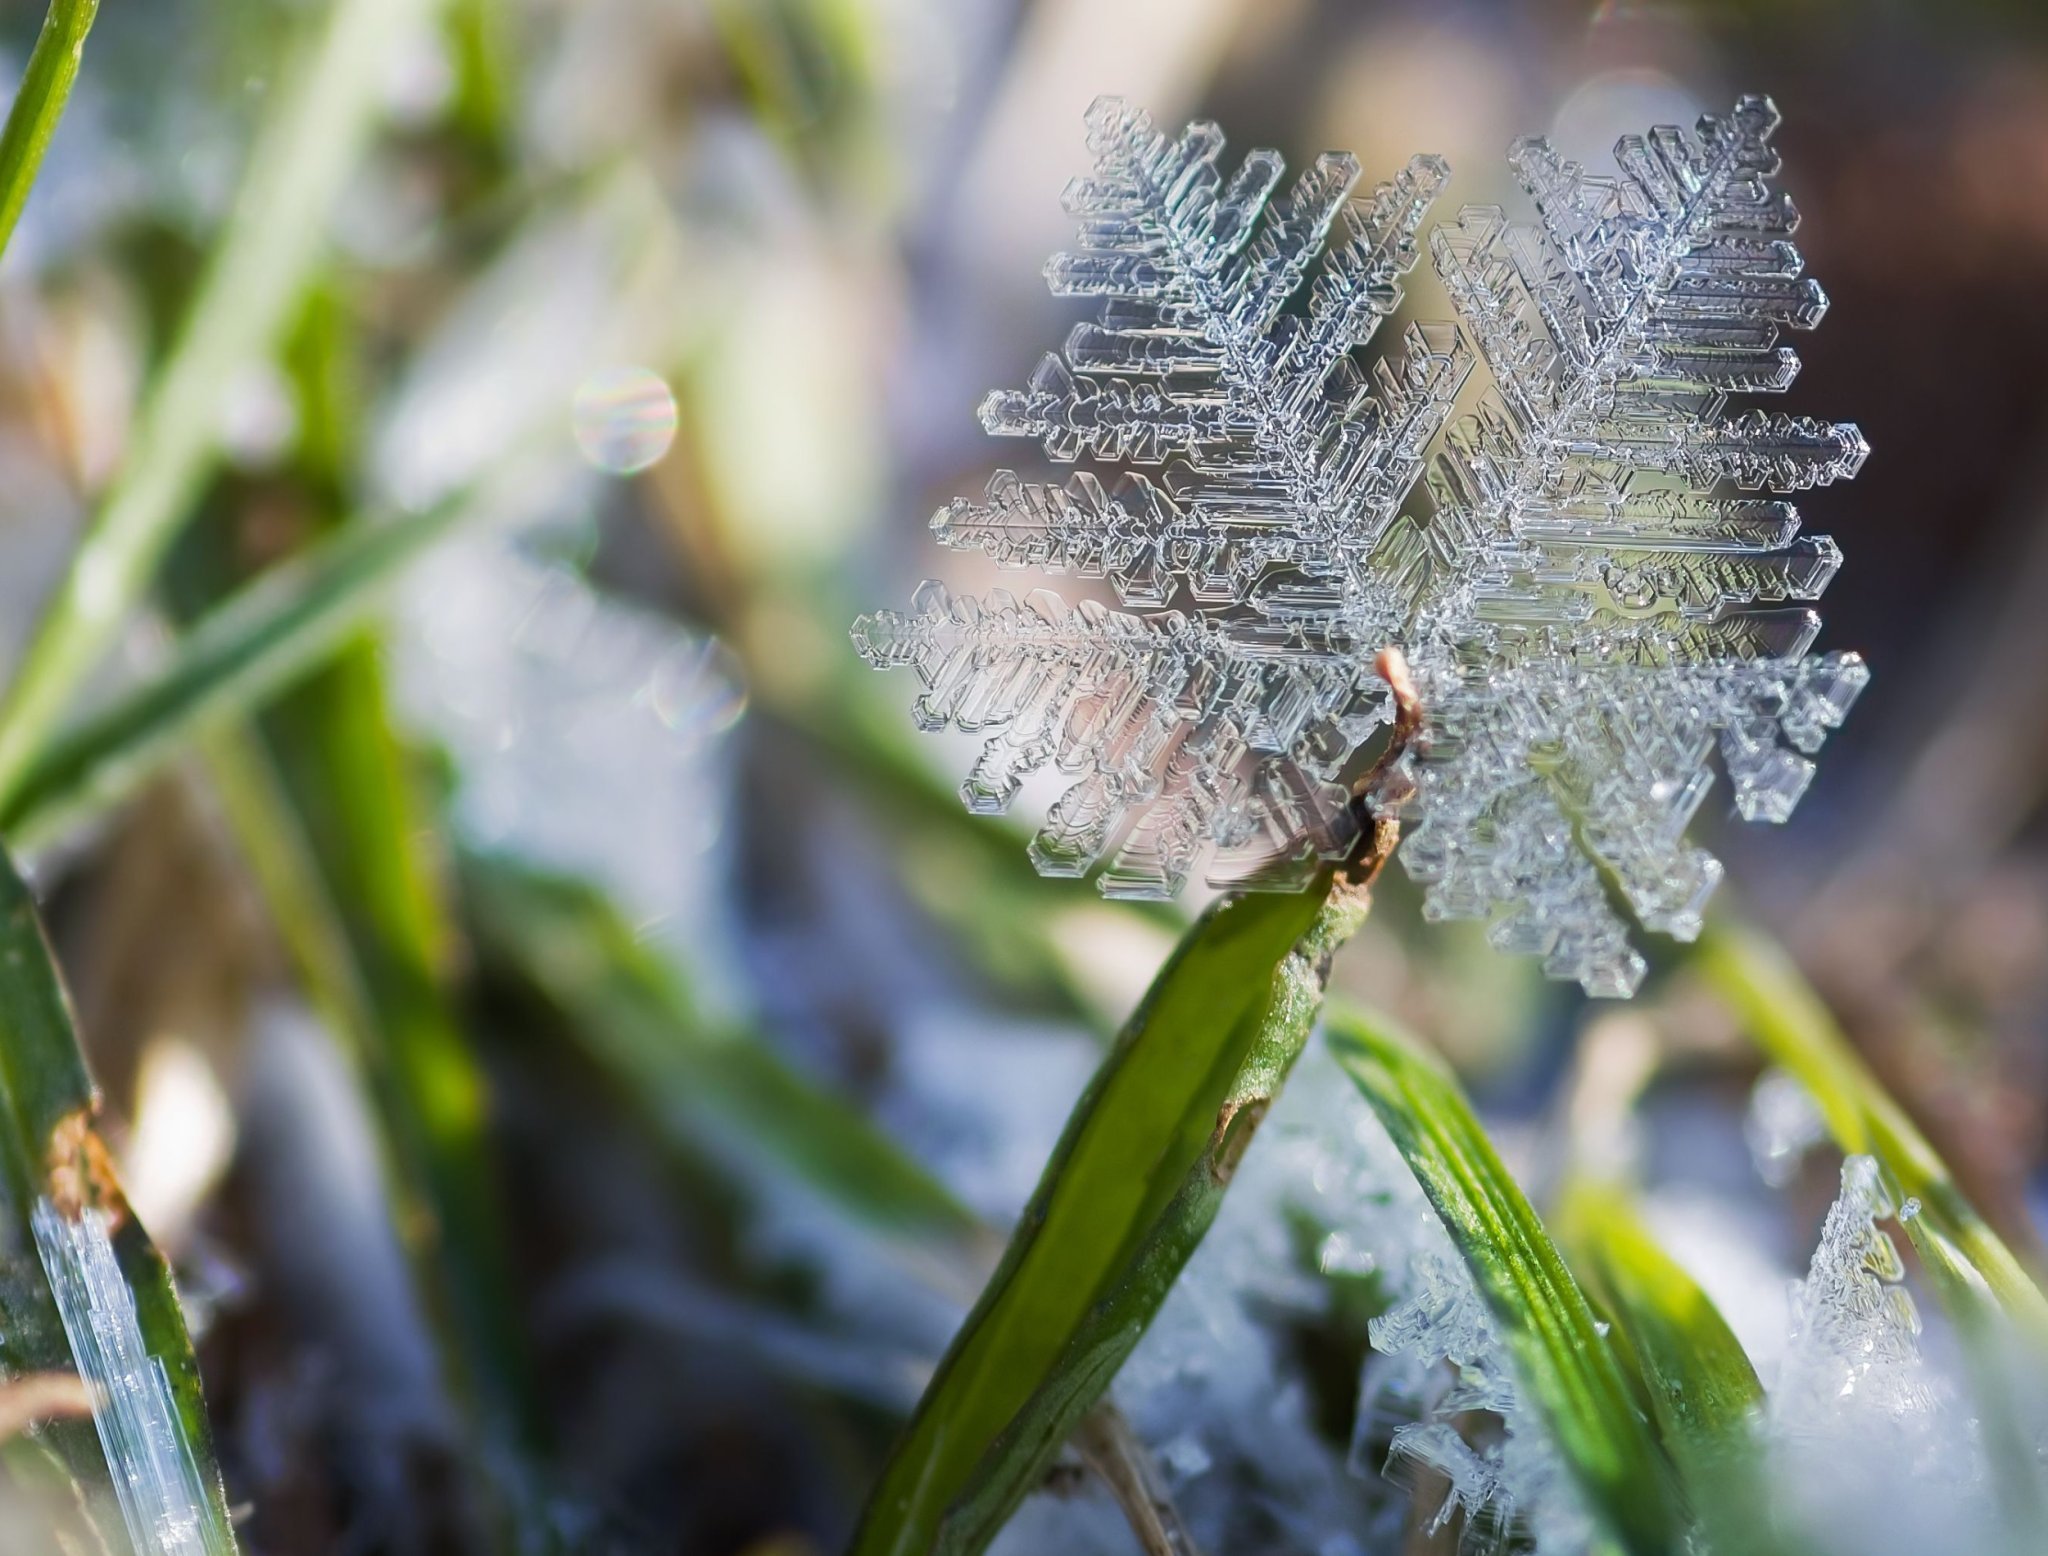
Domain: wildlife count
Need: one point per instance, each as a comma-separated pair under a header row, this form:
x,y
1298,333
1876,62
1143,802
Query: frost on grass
x,y
1870,1443
1323,1228
1592,570
1439,1360
155,1479
1855,1326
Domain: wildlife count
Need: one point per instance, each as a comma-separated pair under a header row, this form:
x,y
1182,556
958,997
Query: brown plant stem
x,y
41,1396
1109,1448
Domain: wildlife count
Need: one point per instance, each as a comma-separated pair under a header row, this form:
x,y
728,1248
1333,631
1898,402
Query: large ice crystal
x,y
1855,1326
1587,571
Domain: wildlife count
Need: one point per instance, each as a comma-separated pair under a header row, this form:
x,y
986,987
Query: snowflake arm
x,y
1280,452
1180,731
1601,594
1613,330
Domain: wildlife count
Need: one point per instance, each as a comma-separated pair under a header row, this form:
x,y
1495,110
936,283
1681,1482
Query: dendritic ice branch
x,y
1592,571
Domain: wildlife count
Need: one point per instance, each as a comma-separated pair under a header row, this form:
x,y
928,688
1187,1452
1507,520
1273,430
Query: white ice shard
x,y
1870,1444
156,1481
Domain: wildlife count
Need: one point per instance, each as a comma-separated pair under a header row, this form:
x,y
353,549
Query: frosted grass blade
x,y
1976,1275
1568,1366
1990,1296
100,1295
1127,1195
159,1486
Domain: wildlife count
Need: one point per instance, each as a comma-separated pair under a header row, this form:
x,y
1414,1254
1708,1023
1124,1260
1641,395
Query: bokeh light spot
x,y
696,689
625,419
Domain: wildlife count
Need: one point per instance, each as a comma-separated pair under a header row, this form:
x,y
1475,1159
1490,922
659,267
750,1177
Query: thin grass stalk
x,y
303,156
39,104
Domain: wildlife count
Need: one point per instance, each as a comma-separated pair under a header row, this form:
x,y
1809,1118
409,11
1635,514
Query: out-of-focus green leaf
x,y
301,159
631,1011
1568,1366
486,94
1128,1194
233,661
347,776
1977,1276
49,1152
39,103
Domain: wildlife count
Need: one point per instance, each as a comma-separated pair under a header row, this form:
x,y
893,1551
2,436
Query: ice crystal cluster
x,y
1322,1205
1546,502
1865,1440
1873,1446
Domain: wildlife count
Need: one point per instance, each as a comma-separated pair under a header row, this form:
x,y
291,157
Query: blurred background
x,y
689,304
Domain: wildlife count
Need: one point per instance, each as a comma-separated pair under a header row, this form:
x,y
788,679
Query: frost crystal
x,y
155,1480
1783,1123
1855,1327
1439,1368
1584,571
1870,1445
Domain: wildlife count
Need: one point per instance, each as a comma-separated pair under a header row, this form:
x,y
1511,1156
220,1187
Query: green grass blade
x,y
1702,1387
235,659
1702,1390
50,1155
1126,1197
634,1015
280,859
302,158
39,103
1569,1368
1977,1277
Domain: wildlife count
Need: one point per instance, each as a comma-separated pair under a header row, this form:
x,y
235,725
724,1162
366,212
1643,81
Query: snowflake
x,y
1583,570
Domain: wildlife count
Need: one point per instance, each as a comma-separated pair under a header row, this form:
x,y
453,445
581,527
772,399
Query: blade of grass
x,y
39,103
347,777
631,1010
234,660
54,1166
1975,1273
1567,1365
1134,1183
1703,1389
303,154
334,842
